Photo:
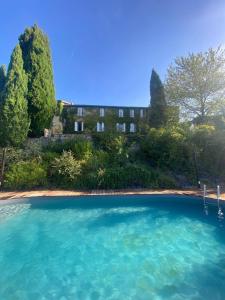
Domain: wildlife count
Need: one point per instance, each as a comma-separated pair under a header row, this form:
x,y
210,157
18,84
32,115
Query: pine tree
x,y
14,121
38,65
2,80
158,104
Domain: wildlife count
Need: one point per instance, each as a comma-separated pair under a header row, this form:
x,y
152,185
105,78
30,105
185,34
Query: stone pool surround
x,y
4,195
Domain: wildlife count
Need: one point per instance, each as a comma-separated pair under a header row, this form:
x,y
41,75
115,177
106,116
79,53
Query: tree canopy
x,y
2,80
38,65
14,121
197,83
158,114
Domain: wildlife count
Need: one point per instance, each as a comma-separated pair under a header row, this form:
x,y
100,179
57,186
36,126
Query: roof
x,y
64,102
106,106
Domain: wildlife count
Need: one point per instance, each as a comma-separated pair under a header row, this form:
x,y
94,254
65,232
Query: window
x,y
102,112
121,113
121,127
78,126
132,113
141,113
80,111
100,127
132,127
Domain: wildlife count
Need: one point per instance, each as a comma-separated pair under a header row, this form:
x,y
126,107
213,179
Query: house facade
x,y
96,118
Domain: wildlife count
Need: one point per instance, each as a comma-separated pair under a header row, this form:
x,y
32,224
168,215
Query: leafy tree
x,y
158,113
38,65
2,80
14,121
197,83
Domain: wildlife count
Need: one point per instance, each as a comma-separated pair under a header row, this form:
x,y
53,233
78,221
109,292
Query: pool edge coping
x,y
15,195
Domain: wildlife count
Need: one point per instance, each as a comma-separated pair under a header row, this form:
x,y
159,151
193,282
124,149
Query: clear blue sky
x,y
103,50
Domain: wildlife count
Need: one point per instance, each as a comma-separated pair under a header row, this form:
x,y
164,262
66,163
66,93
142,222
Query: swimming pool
x,y
111,247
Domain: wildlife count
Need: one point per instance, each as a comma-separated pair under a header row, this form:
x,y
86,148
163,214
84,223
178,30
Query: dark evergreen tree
x,y
2,80
14,121
38,65
158,106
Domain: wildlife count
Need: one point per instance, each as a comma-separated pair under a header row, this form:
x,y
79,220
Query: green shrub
x,y
130,176
48,157
209,146
80,147
29,151
25,175
116,146
65,169
168,149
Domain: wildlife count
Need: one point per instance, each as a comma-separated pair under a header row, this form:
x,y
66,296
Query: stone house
x,y
100,118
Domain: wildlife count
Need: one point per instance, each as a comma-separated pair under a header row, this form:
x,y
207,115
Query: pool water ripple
x,y
133,247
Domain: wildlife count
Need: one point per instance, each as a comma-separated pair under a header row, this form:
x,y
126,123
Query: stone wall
x,y
42,141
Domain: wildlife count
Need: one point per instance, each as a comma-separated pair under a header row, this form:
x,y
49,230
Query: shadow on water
x,y
115,218
94,202
175,206
113,201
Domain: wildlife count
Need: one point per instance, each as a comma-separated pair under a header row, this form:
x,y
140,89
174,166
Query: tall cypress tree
x,y
14,121
158,115
2,80
38,65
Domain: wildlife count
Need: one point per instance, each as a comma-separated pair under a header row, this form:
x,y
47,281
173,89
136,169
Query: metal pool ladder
x,y
220,212
204,200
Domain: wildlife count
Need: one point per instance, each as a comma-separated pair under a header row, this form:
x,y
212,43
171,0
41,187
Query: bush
x,y
80,147
66,169
130,176
49,157
25,175
168,149
115,145
30,151
209,146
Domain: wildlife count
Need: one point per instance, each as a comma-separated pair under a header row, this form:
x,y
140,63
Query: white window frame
x,y
121,127
132,127
80,111
76,126
102,112
100,127
132,113
120,113
141,113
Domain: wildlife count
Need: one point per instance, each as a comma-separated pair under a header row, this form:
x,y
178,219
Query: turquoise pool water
x,y
111,247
